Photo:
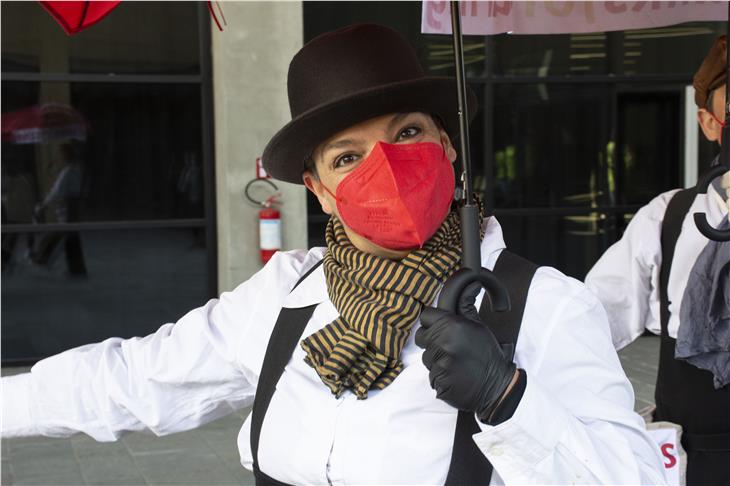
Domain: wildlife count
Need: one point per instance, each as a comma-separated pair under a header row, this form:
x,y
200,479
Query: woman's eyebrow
x,y
345,142
396,119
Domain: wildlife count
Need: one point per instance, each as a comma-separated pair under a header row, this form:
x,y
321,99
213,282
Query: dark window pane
x,y
96,284
550,55
551,145
135,38
437,55
648,145
99,152
572,244
676,49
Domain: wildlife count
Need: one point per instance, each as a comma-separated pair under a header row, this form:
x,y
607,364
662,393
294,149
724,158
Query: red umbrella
x,y
50,122
76,16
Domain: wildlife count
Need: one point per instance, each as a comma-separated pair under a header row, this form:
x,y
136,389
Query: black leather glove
x,y
466,365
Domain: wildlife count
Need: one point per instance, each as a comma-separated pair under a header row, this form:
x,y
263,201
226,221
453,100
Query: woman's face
x,y
339,155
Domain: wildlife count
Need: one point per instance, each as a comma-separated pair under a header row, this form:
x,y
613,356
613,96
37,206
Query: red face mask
x,y
399,195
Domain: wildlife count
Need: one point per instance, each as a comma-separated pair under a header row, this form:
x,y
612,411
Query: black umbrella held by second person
x,y
701,218
471,269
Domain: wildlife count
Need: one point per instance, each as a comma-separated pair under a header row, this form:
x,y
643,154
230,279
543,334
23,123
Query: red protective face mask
x,y
399,195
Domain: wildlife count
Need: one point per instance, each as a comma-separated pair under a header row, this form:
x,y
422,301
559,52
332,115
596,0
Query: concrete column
x,y
250,62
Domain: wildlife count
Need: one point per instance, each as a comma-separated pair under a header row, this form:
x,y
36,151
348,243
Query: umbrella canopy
x,y
50,122
75,16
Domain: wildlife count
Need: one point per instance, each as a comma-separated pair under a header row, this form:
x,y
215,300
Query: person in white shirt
x,y
642,282
353,375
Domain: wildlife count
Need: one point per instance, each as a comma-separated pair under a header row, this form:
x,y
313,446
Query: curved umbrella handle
x,y
701,218
461,279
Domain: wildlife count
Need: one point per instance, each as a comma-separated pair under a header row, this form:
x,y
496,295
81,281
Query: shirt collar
x,y
313,290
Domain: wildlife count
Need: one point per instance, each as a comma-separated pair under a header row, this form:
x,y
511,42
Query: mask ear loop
x,y
330,192
722,123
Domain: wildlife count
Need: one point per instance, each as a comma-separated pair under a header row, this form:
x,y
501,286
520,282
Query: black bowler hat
x,y
345,77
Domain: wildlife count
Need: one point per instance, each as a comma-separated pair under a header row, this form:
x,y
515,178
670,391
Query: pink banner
x,y
486,18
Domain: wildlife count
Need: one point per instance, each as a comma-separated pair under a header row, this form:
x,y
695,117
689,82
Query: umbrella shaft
x,y
725,147
461,97
470,237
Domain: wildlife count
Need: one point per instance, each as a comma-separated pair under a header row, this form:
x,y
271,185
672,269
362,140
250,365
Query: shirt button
x,y
496,451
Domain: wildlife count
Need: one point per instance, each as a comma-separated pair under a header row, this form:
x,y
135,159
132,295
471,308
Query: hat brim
x,y
284,156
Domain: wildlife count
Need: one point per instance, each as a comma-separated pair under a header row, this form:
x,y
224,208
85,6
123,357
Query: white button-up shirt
x,y
575,423
626,277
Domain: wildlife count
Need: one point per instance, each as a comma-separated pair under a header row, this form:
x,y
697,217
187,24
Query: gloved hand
x,y
466,365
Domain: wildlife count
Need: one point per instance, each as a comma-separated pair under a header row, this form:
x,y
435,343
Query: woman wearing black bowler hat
x,y
354,376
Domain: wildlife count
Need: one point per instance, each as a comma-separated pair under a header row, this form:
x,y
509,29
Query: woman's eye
x,y
408,132
344,160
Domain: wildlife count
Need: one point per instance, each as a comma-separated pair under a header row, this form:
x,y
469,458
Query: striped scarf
x,y
379,300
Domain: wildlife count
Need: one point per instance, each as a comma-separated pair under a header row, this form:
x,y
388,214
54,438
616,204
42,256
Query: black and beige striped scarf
x,y
379,300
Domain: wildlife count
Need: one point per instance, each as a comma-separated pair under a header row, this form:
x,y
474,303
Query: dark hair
x,y
311,166
438,121
710,96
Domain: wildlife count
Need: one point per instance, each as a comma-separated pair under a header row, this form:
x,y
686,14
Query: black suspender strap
x,y
284,338
677,209
469,466
516,274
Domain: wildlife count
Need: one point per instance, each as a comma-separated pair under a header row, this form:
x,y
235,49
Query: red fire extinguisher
x,y
269,230
269,222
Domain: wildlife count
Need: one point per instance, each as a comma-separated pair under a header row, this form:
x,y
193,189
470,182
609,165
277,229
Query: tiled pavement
x,y
640,361
206,456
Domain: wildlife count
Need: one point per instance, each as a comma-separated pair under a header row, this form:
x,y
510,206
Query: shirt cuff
x,y
515,447
506,409
17,420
